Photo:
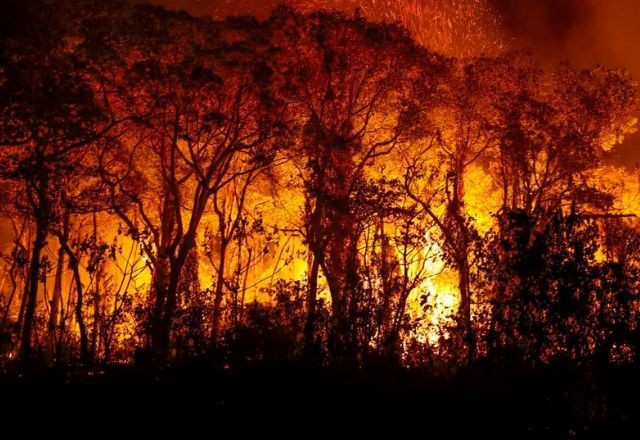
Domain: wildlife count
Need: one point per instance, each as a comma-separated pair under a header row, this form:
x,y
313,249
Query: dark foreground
x,y
558,401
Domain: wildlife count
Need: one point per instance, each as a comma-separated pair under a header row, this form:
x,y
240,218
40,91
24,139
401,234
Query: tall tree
x,y
50,118
553,129
347,82
205,116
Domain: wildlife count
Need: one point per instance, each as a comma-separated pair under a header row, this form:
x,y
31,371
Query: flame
x,y
461,28
440,292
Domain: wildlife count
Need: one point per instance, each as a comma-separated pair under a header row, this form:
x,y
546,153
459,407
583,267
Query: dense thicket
x,y
313,186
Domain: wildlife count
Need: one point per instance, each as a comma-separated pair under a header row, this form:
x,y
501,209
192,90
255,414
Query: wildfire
x,y
314,175
435,301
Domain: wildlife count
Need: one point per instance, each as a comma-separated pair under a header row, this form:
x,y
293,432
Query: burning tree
x,y
203,117
353,96
50,122
174,134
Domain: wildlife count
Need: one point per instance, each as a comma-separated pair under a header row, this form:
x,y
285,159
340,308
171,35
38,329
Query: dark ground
x,y
550,402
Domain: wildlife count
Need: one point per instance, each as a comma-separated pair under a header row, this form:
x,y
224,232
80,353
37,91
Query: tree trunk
x,y
244,287
31,290
385,321
5,316
96,297
85,356
163,320
338,338
339,262
219,292
312,293
160,286
465,305
341,335
96,317
462,261
52,325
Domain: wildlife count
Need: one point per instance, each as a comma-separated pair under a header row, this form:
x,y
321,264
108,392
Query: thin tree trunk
x,y
84,340
462,261
244,286
5,316
465,305
238,272
17,251
23,307
96,296
312,293
31,290
96,316
55,304
219,291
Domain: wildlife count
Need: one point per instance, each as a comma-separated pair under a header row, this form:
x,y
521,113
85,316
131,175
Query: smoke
x,y
219,8
584,32
544,20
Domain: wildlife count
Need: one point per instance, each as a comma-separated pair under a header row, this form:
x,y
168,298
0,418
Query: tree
x,y
434,175
50,118
204,117
555,128
346,82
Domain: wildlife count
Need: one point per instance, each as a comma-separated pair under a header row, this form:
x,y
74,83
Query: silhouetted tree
x,y
50,118
553,129
205,117
348,81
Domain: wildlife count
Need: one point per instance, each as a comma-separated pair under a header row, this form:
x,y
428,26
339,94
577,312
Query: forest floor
x,y
558,401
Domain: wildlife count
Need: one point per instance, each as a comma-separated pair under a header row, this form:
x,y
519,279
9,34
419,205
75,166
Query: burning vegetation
x,y
315,186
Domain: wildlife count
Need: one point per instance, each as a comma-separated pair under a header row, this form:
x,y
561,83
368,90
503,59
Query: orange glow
x,y
351,180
